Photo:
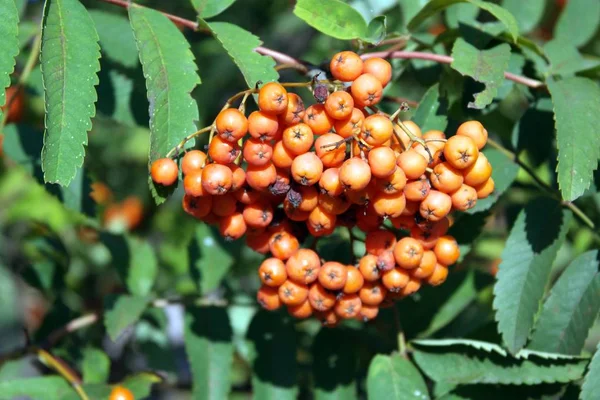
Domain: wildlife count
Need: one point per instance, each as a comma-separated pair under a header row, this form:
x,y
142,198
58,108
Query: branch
x,y
532,83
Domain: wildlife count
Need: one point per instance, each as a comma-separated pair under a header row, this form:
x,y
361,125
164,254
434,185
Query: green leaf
x,y
565,59
576,102
96,366
527,259
139,384
395,377
116,38
123,87
143,267
432,112
76,195
435,6
452,307
273,355
209,347
578,22
409,9
461,13
528,13
504,173
460,363
332,17
334,365
210,8
240,45
485,66
571,309
212,260
171,75
591,383
9,45
376,30
69,63
123,312
39,388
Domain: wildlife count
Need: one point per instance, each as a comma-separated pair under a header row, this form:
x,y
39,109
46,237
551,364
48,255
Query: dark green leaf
x,y
96,366
591,383
139,384
123,312
9,45
435,6
565,59
461,13
332,17
527,259
143,267
504,173
334,365
571,308
576,102
528,13
432,112
210,8
116,38
578,22
69,62
376,30
240,45
409,9
396,378
460,363
209,347
76,195
485,66
450,309
123,86
212,261
273,356
171,75
39,388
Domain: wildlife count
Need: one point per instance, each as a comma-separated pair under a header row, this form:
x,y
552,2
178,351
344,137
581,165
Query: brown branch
x,y
532,83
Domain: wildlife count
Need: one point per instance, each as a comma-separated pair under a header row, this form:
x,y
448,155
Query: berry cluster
x,y
286,172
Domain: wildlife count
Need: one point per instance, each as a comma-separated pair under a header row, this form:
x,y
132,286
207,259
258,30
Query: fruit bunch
x,y
285,172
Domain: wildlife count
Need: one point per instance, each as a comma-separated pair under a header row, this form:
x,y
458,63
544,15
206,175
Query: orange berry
x,y
379,68
446,250
330,182
246,195
295,110
198,207
216,179
164,171
426,266
413,286
320,222
446,178
339,105
303,266
412,163
317,119
238,177
389,205
260,177
395,279
292,293
418,190
282,157
475,131
257,152
348,306
485,189
329,318
272,98
382,161
320,298
225,205
231,125
268,298
367,313
282,245
404,222
346,66
335,205
408,253
464,198
368,268
262,125
351,125
355,174
232,226
461,151
192,184
223,152
435,206
333,275
307,169
258,241
376,242
272,272
120,393
258,215
193,161
376,130
439,275
366,90
298,139
301,311
354,280
372,293
394,183
331,149
479,172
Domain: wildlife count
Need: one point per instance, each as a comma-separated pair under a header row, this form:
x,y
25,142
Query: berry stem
x,y
400,333
175,150
62,368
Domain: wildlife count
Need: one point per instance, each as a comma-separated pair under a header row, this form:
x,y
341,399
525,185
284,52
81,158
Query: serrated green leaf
x,y
76,195
334,365
332,17
527,13
39,388
591,382
515,66
475,344
571,308
212,261
435,6
240,45
394,377
432,110
9,45
578,22
95,366
171,75
210,8
485,66
209,348
453,363
273,355
504,173
565,59
450,309
123,312
527,258
116,38
576,102
70,63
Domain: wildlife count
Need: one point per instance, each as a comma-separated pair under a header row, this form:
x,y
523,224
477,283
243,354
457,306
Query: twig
x,y
400,333
65,371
